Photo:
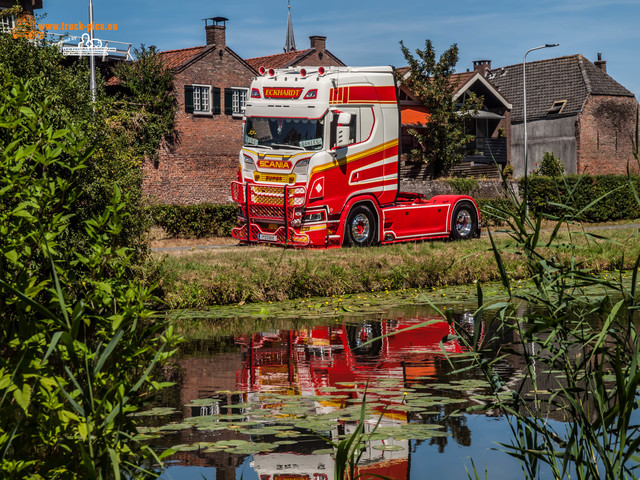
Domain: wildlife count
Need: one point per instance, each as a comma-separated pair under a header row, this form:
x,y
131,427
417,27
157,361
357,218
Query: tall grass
x,y
575,413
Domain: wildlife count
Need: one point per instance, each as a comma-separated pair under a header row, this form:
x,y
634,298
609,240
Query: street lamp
x,y
92,61
524,90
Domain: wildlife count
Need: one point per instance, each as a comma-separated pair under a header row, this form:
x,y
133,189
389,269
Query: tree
x,y
125,127
443,139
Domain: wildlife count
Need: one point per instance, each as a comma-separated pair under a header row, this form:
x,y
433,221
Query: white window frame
x,y
7,24
198,109
239,100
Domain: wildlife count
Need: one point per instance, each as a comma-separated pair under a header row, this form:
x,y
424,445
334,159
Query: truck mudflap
x,y
269,213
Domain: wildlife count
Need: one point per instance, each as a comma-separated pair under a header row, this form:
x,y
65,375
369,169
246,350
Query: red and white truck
x,y
319,166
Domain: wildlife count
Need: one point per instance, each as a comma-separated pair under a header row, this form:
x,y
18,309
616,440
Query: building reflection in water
x,y
311,362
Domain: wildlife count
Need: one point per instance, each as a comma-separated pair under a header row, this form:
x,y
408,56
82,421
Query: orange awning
x,y
414,116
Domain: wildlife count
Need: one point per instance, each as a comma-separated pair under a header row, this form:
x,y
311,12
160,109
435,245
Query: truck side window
x,y
365,119
354,132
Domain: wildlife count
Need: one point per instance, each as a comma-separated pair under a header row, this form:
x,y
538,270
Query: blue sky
x,y
368,32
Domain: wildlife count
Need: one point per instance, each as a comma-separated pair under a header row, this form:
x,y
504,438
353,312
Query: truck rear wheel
x,y
464,221
360,229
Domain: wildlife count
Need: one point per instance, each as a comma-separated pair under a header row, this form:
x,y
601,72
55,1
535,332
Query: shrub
x,y
577,193
463,186
205,219
551,165
78,345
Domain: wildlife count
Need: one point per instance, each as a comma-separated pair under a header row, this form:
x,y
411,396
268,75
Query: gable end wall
x,y
606,127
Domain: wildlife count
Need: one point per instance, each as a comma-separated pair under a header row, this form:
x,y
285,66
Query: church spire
x,y
290,43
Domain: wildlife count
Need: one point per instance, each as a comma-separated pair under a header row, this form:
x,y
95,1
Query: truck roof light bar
x,y
262,70
303,72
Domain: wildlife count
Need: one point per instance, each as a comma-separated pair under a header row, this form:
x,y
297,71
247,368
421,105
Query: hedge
x,y
620,204
578,191
189,221
488,214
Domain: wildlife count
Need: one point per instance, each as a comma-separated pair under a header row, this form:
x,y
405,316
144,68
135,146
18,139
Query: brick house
x,y
574,110
211,83
491,126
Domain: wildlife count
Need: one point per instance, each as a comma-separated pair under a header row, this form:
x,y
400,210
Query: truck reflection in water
x,y
266,367
308,362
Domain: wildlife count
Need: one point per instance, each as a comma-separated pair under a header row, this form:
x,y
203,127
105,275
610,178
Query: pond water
x,y
263,404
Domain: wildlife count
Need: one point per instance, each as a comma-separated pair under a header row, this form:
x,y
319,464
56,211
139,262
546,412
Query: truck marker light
x,y
303,72
321,71
272,72
262,70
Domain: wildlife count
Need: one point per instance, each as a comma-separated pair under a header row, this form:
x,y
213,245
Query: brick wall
x,y
605,130
201,165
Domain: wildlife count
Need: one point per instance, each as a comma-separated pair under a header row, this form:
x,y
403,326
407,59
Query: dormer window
x,y
557,107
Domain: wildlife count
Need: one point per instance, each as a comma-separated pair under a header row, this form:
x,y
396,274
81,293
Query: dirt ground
x,y
159,239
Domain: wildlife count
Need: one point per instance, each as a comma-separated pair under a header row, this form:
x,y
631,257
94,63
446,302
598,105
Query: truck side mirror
x,y
342,130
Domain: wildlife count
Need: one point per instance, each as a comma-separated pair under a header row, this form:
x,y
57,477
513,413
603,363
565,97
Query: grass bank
x,y
199,279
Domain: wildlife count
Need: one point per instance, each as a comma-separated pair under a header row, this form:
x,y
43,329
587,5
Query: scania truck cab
x,y
320,163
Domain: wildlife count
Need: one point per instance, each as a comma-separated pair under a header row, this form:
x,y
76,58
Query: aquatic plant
x,y
574,414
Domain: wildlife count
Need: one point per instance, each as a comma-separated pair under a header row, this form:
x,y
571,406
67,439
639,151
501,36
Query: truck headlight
x,y
301,167
248,164
313,217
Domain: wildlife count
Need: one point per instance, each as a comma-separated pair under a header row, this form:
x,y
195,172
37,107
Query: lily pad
x,y
157,411
388,448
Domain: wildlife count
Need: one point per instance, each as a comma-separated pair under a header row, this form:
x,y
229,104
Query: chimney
x,y
318,42
481,66
601,64
216,31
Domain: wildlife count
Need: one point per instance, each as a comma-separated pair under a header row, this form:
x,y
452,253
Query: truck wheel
x,y
464,221
357,335
360,229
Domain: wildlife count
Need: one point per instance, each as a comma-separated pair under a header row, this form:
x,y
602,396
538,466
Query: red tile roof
x,y
175,58
276,61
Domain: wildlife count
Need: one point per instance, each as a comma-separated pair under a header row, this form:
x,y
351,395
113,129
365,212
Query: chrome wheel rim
x,y
463,223
360,227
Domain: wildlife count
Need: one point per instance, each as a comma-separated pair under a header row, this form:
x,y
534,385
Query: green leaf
x,y
23,397
12,256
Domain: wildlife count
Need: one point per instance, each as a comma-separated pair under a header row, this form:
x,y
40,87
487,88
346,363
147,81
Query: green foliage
x,y
125,128
348,452
78,347
550,166
491,209
463,186
578,193
507,171
145,111
202,220
580,352
443,139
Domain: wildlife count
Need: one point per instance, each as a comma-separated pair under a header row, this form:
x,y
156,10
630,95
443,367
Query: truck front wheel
x,y
360,229
464,221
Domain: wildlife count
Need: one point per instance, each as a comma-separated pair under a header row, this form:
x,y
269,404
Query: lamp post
x,y
92,60
524,92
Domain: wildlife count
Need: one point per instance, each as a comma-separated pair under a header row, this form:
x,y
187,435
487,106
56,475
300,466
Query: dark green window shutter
x,y
228,101
188,98
216,100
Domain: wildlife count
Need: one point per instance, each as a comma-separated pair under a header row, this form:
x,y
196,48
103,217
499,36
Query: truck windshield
x,y
284,132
